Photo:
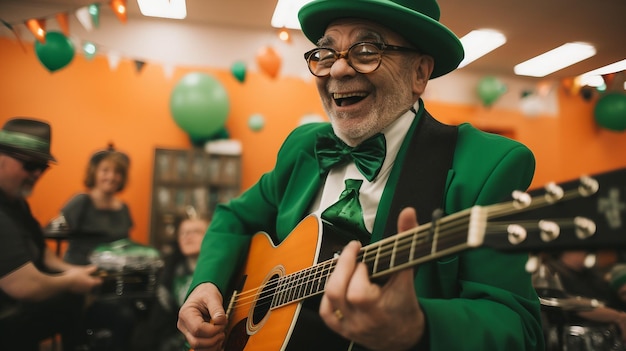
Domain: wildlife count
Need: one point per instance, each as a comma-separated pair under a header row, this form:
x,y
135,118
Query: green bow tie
x,y
367,156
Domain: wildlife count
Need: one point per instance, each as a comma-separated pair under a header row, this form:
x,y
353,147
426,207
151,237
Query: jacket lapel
x,y
301,190
420,174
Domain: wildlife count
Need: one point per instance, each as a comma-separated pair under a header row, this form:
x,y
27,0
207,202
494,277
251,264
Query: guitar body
x,y
253,326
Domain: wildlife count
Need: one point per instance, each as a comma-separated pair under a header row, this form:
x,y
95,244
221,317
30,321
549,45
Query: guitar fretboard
x,y
448,235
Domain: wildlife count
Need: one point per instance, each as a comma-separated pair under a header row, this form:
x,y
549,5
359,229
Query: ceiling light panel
x,y
478,43
175,9
286,13
555,60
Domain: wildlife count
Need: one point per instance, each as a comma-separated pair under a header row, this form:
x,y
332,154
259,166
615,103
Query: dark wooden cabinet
x,y
189,177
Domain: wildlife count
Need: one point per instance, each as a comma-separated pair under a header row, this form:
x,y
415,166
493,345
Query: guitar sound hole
x,y
264,302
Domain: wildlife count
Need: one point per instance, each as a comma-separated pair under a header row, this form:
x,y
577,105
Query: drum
x,y
591,338
129,270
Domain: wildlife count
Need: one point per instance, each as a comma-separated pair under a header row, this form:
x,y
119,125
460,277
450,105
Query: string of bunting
x,y
89,18
61,51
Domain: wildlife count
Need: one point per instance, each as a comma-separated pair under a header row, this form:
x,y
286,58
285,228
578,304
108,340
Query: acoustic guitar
x,y
276,305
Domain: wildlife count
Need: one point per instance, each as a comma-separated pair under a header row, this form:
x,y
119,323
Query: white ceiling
x,y
531,26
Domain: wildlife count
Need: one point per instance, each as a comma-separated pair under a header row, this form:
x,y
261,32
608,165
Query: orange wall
x,y
89,105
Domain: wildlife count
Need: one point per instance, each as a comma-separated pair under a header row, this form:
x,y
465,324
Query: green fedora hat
x,y
27,137
415,20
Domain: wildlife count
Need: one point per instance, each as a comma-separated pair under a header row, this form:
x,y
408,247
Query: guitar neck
x,y
455,233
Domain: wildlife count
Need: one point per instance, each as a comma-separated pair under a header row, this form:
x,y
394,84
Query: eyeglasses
x,y
363,57
30,165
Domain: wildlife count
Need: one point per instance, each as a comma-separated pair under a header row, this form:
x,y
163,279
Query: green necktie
x,y
367,156
346,213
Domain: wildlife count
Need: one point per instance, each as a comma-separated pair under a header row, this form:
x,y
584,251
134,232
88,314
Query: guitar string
x,y
322,270
327,266
298,279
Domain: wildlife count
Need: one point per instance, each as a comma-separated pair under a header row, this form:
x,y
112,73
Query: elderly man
x,y
40,295
372,62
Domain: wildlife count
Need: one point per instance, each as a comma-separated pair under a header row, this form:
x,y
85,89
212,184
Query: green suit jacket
x,y
477,300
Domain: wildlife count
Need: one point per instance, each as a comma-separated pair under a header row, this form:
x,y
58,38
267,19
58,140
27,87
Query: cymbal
x,y
575,303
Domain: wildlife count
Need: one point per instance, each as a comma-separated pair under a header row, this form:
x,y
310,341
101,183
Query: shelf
x,y
189,177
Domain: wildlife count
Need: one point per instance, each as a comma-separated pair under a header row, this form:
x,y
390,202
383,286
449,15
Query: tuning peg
x,y
521,199
549,230
553,193
516,233
585,227
588,186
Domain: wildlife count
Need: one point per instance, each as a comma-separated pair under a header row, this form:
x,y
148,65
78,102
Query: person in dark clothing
x,y
40,294
579,279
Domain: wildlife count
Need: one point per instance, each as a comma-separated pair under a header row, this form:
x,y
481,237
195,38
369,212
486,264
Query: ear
x,y
424,66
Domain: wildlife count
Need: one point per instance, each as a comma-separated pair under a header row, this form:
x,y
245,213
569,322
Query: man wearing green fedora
x,y
372,61
40,294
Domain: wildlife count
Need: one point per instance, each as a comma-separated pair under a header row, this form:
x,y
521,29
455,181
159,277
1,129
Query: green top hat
x,y
27,137
415,20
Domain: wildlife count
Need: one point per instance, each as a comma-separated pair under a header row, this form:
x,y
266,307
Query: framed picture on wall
x,y
182,167
200,199
164,165
164,198
229,170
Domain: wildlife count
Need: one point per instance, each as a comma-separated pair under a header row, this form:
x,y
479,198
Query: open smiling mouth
x,y
348,99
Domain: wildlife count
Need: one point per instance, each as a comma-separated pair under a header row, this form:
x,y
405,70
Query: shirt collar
x,y
396,132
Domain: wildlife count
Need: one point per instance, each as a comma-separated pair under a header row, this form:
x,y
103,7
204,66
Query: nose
x,y
341,68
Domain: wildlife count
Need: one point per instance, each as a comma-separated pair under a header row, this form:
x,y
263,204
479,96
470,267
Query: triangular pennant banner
x,y
94,12
139,65
114,60
16,33
38,28
168,70
84,18
62,20
7,24
119,8
89,50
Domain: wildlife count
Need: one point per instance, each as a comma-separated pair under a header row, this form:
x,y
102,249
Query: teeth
x,y
347,95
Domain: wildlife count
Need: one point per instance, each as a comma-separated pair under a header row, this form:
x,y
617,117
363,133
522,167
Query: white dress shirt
x,y
370,192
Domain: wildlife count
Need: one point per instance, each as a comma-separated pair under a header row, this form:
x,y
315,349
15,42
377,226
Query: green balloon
x,y
490,89
610,111
239,70
256,122
199,105
56,53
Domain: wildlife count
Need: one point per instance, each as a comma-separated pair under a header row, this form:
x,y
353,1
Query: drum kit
x,y
129,272
128,269
560,333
